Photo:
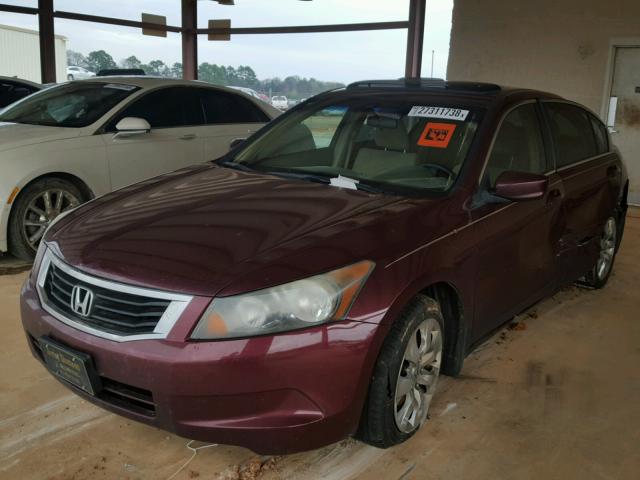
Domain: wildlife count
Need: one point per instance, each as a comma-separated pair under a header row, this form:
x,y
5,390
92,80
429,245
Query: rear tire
x,y
598,276
34,209
405,375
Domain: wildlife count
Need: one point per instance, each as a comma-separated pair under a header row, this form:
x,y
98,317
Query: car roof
x,y
21,80
148,81
480,91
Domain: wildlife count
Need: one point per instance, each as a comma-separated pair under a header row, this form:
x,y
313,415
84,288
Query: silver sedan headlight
x,y
303,303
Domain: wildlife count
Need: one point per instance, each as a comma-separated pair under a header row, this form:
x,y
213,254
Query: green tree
x,y
100,60
131,62
246,77
176,70
76,59
157,67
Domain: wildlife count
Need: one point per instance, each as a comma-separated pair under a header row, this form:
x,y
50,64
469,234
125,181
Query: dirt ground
x,y
557,396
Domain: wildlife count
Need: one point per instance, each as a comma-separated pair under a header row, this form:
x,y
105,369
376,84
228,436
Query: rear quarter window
x,y
572,133
224,107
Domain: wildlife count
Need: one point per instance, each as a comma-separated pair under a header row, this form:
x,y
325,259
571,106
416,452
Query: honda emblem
x,y
81,300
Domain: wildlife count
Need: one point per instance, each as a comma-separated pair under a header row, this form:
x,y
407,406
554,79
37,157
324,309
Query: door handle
x,y
613,171
188,136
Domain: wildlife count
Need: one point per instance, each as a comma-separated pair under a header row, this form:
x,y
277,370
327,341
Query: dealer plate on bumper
x,y
70,365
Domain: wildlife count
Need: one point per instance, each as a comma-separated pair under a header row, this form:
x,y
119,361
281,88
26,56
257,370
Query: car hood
x,y
195,231
15,135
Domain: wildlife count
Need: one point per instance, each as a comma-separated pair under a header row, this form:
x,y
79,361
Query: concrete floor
x,y
557,397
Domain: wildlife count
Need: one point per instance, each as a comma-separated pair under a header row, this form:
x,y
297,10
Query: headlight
x,y
298,304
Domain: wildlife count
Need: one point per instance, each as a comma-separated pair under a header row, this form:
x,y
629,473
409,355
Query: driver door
x,y
516,240
174,142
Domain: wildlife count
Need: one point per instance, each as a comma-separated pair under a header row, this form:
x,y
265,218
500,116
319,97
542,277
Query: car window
x,y
12,92
68,105
600,131
165,108
518,146
397,144
324,124
572,133
223,107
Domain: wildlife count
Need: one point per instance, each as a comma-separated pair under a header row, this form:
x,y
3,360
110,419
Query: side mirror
x,y
521,185
132,126
236,142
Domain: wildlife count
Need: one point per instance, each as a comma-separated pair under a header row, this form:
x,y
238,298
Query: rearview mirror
x,y
236,142
132,126
521,185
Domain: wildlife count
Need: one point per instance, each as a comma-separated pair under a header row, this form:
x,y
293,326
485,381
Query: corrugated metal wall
x,y
20,54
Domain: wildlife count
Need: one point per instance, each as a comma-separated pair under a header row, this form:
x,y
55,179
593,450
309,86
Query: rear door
x,y
517,241
590,177
227,116
174,141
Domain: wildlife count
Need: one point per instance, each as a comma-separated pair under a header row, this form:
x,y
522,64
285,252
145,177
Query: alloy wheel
x,y
42,210
418,376
607,248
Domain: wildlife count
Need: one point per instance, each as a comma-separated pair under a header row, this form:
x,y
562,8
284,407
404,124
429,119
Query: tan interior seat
x,y
390,152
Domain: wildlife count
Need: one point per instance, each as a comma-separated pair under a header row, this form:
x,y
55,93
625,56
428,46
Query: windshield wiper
x,y
309,177
235,165
327,180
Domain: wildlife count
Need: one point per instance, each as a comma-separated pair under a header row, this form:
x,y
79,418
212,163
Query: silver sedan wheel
x,y
607,248
42,210
418,376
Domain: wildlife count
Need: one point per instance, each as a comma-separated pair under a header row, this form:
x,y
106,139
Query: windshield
x,y
69,105
396,145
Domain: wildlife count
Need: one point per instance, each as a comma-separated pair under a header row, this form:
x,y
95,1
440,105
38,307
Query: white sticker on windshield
x,y
120,86
439,112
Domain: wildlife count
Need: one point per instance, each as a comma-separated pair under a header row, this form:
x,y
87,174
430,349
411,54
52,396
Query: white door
x,y
227,116
624,113
175,139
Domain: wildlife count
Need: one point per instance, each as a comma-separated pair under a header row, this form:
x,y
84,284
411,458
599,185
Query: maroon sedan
x,y
313,283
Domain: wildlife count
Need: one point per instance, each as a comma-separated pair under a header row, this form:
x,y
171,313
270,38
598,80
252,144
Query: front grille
x,y
113,311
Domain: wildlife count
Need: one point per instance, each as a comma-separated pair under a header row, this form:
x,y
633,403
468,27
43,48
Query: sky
x,y
343,57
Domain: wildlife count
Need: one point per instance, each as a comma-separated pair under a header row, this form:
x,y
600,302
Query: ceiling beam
x,y
343,27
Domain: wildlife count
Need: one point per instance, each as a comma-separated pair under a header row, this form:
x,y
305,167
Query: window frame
x,y
554,150
546,142
595,121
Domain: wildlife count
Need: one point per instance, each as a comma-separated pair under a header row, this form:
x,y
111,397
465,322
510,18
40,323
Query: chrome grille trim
x,y
178,303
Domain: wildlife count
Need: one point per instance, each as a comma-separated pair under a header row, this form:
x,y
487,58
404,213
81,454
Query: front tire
x,y
34,209
405,375
598,276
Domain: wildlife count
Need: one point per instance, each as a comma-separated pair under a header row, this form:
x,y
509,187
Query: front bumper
x,y
273,394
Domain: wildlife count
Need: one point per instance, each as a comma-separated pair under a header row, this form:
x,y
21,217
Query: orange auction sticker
x,y
437,135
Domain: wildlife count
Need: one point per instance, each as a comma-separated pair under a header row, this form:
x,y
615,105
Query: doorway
x,y
623,117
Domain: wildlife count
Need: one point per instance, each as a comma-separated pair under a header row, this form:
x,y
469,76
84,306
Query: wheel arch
x,y
455,326
454,307
73,179
69,177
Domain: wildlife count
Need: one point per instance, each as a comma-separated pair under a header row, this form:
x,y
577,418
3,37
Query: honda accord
x,y
314,282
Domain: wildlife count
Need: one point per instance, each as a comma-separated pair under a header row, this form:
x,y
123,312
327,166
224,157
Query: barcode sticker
x,y
444,113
